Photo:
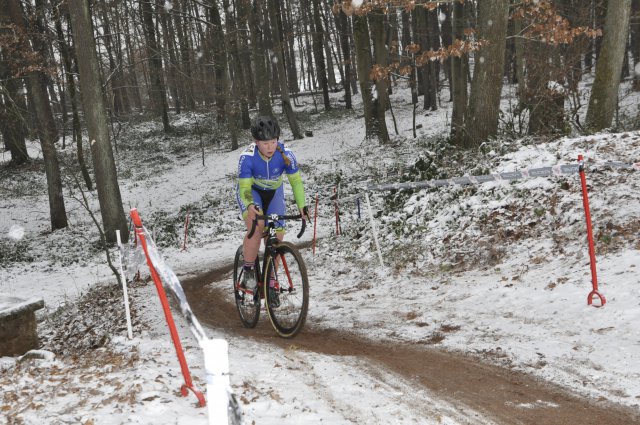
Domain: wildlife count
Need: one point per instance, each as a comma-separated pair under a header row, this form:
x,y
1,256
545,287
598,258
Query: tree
x,y
257,53
484,100
65,54
109,197
604,94
318,46
157,90
46,127
342,22
282,76
635,43
374,126
381,54
458,76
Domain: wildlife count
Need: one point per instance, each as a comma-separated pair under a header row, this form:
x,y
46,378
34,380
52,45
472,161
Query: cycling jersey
x,y
257,173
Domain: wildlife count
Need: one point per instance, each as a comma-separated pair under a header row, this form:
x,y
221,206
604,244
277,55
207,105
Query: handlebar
x,y
276,217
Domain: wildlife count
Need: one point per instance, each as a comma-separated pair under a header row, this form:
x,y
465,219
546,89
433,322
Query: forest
x,y
81,69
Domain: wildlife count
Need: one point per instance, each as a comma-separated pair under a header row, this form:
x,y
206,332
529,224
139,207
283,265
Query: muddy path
x,y
501,395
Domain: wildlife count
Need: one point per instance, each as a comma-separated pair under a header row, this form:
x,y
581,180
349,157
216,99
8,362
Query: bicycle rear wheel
x,y
287,309
247,301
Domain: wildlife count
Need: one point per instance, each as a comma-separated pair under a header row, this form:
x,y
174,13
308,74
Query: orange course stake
x,y
592,254
188,384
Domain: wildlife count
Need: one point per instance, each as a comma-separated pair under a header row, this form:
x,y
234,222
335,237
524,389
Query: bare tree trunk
x,y
71,88
256,27
219,63
635,42
122,77
484,100
114,70
327,44
244,11
308,24
133,78
223,91
185,55
174,83
11,121
604,94
343,27
289,30
106,176
381,55
447,39
157,90
318,47
46,127
374,127
10,129
238,84
433,37
458,78
282,77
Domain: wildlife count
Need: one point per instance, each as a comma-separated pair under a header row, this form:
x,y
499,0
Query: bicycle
x,y
287,300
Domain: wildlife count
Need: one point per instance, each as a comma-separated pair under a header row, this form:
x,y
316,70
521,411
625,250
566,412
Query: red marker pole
x,y
188,384
315,225
592,253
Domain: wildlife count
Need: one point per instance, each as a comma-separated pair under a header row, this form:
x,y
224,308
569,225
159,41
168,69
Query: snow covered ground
x,y
499,271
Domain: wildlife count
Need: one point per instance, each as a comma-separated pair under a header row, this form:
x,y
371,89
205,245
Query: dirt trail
x,y
503,395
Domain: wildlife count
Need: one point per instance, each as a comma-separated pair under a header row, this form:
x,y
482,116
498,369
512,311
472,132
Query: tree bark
x,y
318,54
46,127
604,94
282,76
237,82
256,28
157,90
222,77
11,121
458,78
486,86
106,177
343,27
174,83
635,43
185,55
380,54
73,93
374,127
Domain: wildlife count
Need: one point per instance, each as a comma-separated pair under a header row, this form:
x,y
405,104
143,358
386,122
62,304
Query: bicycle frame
x,y
270,251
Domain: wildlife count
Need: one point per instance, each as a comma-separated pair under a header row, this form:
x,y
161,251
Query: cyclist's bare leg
x,y
250,247
280,236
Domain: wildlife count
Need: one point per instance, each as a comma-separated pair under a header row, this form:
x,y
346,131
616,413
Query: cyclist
x,y
260,189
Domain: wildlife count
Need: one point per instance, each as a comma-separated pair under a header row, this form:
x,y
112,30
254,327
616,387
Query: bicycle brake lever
x,y
253,228
304,225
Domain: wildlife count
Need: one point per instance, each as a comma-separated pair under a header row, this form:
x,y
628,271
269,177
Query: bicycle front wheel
x,y
286,289
247,300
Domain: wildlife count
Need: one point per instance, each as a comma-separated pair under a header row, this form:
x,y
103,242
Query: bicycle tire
x,y
292,288
248,304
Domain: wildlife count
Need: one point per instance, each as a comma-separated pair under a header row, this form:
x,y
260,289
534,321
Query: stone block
x,y
18,328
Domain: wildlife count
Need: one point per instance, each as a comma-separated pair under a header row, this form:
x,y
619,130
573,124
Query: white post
x,y
124,288
216,364
373,228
